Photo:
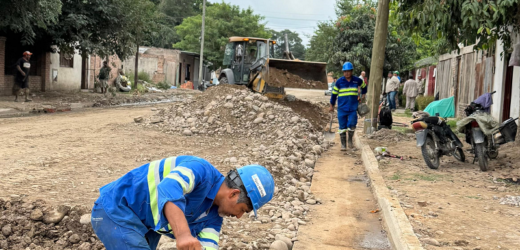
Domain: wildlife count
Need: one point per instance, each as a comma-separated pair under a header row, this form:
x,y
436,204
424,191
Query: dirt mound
x,y
317,113
282,78
36,226
389,135
278,137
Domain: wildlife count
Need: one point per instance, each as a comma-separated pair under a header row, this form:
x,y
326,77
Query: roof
x,y
241,38
190,53
426,62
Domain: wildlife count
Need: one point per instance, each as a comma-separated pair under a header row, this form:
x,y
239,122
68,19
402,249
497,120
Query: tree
x,y
222,21
354,40
295,44
322,43
463,21
27,16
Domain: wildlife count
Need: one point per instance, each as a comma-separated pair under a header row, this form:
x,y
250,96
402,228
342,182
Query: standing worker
x,y
422,85
184,197
392,86
410,90
104,75
349,91
23,66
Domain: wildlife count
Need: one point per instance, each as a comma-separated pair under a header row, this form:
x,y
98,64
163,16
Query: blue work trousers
x,y
347,120
391,99
117,237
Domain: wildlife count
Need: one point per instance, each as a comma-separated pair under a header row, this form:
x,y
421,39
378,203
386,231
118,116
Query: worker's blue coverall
x,y
346,93
129,212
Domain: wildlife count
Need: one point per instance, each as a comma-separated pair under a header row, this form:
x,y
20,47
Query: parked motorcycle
x,y
483,133
436,139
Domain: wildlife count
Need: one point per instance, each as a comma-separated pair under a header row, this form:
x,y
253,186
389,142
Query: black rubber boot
x,y
343,141
350,137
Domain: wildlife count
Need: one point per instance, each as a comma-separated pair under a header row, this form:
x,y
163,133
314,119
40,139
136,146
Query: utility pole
x,y
201,65
376,66
136,75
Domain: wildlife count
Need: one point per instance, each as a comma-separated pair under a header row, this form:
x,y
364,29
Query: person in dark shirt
x,y
23,65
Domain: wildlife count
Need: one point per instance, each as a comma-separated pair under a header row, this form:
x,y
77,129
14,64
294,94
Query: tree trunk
x,y
136,75
377,63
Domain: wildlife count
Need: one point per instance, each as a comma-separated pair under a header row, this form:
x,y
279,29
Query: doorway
x,y
508,87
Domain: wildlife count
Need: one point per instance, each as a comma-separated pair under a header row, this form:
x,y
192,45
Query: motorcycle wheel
x,y
459,155
430,155
480,153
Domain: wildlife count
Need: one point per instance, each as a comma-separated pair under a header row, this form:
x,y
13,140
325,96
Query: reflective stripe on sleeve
x,y
153,181
209,233
209,245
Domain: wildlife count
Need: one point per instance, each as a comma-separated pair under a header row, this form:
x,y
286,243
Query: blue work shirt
x,y
346,93
191,183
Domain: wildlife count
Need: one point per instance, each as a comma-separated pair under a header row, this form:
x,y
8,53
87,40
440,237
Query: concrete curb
x,y
400,231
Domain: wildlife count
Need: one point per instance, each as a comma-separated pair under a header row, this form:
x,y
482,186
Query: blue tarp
x,y
445,107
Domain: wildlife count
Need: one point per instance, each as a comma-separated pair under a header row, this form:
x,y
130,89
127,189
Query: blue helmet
x,y
348,66
259,184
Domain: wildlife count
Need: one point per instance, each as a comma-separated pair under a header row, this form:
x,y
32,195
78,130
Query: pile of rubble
x,y
283,78
510,200
390,135
286,143
36,226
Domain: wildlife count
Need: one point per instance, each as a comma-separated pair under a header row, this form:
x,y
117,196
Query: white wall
x,y
515,94
498,86
68,78
146,64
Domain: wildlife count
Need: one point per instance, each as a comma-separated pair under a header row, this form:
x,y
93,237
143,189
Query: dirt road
x,y
344,221
315,95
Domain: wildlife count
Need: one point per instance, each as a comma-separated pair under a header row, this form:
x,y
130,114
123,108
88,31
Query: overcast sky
x,y
301,16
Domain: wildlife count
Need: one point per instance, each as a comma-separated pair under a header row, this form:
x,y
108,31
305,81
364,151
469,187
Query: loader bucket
x,y
315,71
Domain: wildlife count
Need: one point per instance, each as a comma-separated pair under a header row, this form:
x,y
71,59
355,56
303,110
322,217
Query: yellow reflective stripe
x,y
168,166
348,94
363,85
348,90
153,181
210,236
336,88
334,92
188,173
180,180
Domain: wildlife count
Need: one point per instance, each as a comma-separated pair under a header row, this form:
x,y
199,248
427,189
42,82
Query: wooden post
x,y
376,66
136,75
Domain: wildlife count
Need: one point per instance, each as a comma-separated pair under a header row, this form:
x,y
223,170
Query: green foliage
x,y
140,89
452,123
295,44
143,76
351,37
424,101
28,16
222,21
461,21
163,85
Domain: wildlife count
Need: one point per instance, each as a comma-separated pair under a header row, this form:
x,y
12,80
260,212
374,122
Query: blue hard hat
x,y
259,184
348,66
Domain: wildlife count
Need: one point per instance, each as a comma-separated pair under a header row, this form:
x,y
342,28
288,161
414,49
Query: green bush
x,y
163,85
143,76
424,101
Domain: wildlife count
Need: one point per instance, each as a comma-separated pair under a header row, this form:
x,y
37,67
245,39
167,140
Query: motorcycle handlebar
x,y
493,92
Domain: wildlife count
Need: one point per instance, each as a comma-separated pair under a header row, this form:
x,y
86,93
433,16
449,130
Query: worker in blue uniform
x,y
349,91
183,197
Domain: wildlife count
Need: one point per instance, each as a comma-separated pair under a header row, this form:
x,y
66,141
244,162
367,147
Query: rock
x,y
138,119
461,243
295,119
229,97
311,201
502,189
492,187
271,117
6,230
155,120
317,149
309,163
85,219
187,132
154,109
74,239
284,239
168,246
258,120
85,246
192,120
56,215
233,160
291,227
431,241
36,215
211,120
278,245
290,98
228,105
422,203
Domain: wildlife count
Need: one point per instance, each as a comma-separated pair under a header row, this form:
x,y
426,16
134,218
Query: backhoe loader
x,y
248,61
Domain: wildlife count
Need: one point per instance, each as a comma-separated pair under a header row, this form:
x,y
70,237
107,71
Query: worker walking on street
x,y
410,90
349,91
183,197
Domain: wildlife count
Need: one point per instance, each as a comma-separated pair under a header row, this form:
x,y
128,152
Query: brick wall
x,y
96,63
3,89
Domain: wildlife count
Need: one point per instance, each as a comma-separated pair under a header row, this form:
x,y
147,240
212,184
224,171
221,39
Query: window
x,y
228,54
66,60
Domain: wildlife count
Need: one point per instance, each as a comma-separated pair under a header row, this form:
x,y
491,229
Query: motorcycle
x,y
483,133
436,139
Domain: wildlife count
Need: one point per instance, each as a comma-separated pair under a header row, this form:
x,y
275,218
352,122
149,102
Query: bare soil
x,y
282,78
316,113
457,206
